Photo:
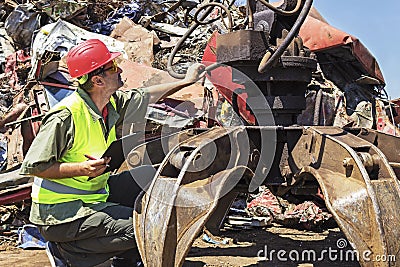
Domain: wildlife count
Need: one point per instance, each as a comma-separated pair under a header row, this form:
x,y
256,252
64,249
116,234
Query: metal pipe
x,y
58,85
250,13
394,165
36,117
317,107
280,11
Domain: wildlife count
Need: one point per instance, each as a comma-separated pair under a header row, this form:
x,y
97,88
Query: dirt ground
x,y
242,250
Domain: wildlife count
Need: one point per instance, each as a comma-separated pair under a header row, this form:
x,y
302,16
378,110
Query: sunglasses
x,y
113,68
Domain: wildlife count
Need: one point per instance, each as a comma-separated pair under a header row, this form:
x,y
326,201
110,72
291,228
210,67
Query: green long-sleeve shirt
x,y
56,136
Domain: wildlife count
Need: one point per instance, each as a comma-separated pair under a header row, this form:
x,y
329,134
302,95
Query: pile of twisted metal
x,y
291,109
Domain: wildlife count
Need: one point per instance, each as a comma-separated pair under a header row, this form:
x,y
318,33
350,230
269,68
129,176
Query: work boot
x,y
55,257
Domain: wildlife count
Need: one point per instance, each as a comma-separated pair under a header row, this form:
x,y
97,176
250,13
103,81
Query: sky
x,y
377,25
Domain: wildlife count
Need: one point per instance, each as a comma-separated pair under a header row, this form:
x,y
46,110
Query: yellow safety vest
x,y
88,139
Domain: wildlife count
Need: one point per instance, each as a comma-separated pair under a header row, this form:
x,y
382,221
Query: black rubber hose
x,y
210,7
180,42
264,66
228,13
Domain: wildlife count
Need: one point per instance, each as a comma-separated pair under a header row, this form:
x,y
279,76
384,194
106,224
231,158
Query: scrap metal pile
x,y
272,69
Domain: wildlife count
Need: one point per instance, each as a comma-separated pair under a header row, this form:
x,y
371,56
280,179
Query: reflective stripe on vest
x,y
88,139
63,189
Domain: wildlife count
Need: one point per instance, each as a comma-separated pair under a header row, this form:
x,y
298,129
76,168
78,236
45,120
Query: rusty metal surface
x,y
359,186
16,194
144,154
181,198
137,75
388,144
293,69
362,198
241,45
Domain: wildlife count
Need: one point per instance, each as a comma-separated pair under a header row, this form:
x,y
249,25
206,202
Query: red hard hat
x,y
88,56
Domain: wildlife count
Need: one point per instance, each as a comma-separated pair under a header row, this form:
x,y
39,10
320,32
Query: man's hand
x,y
93,168
195,73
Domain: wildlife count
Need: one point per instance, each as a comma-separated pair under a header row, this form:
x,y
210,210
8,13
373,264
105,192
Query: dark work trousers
x,y
108,233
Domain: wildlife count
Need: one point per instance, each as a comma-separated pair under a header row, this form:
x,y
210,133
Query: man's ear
x,y
98,80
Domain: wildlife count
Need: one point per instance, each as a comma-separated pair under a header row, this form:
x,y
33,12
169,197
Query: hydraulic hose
x,y
267,64
198,21
228,13
178,45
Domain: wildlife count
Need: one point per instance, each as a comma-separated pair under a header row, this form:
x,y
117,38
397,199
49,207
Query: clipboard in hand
x,y
119,149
